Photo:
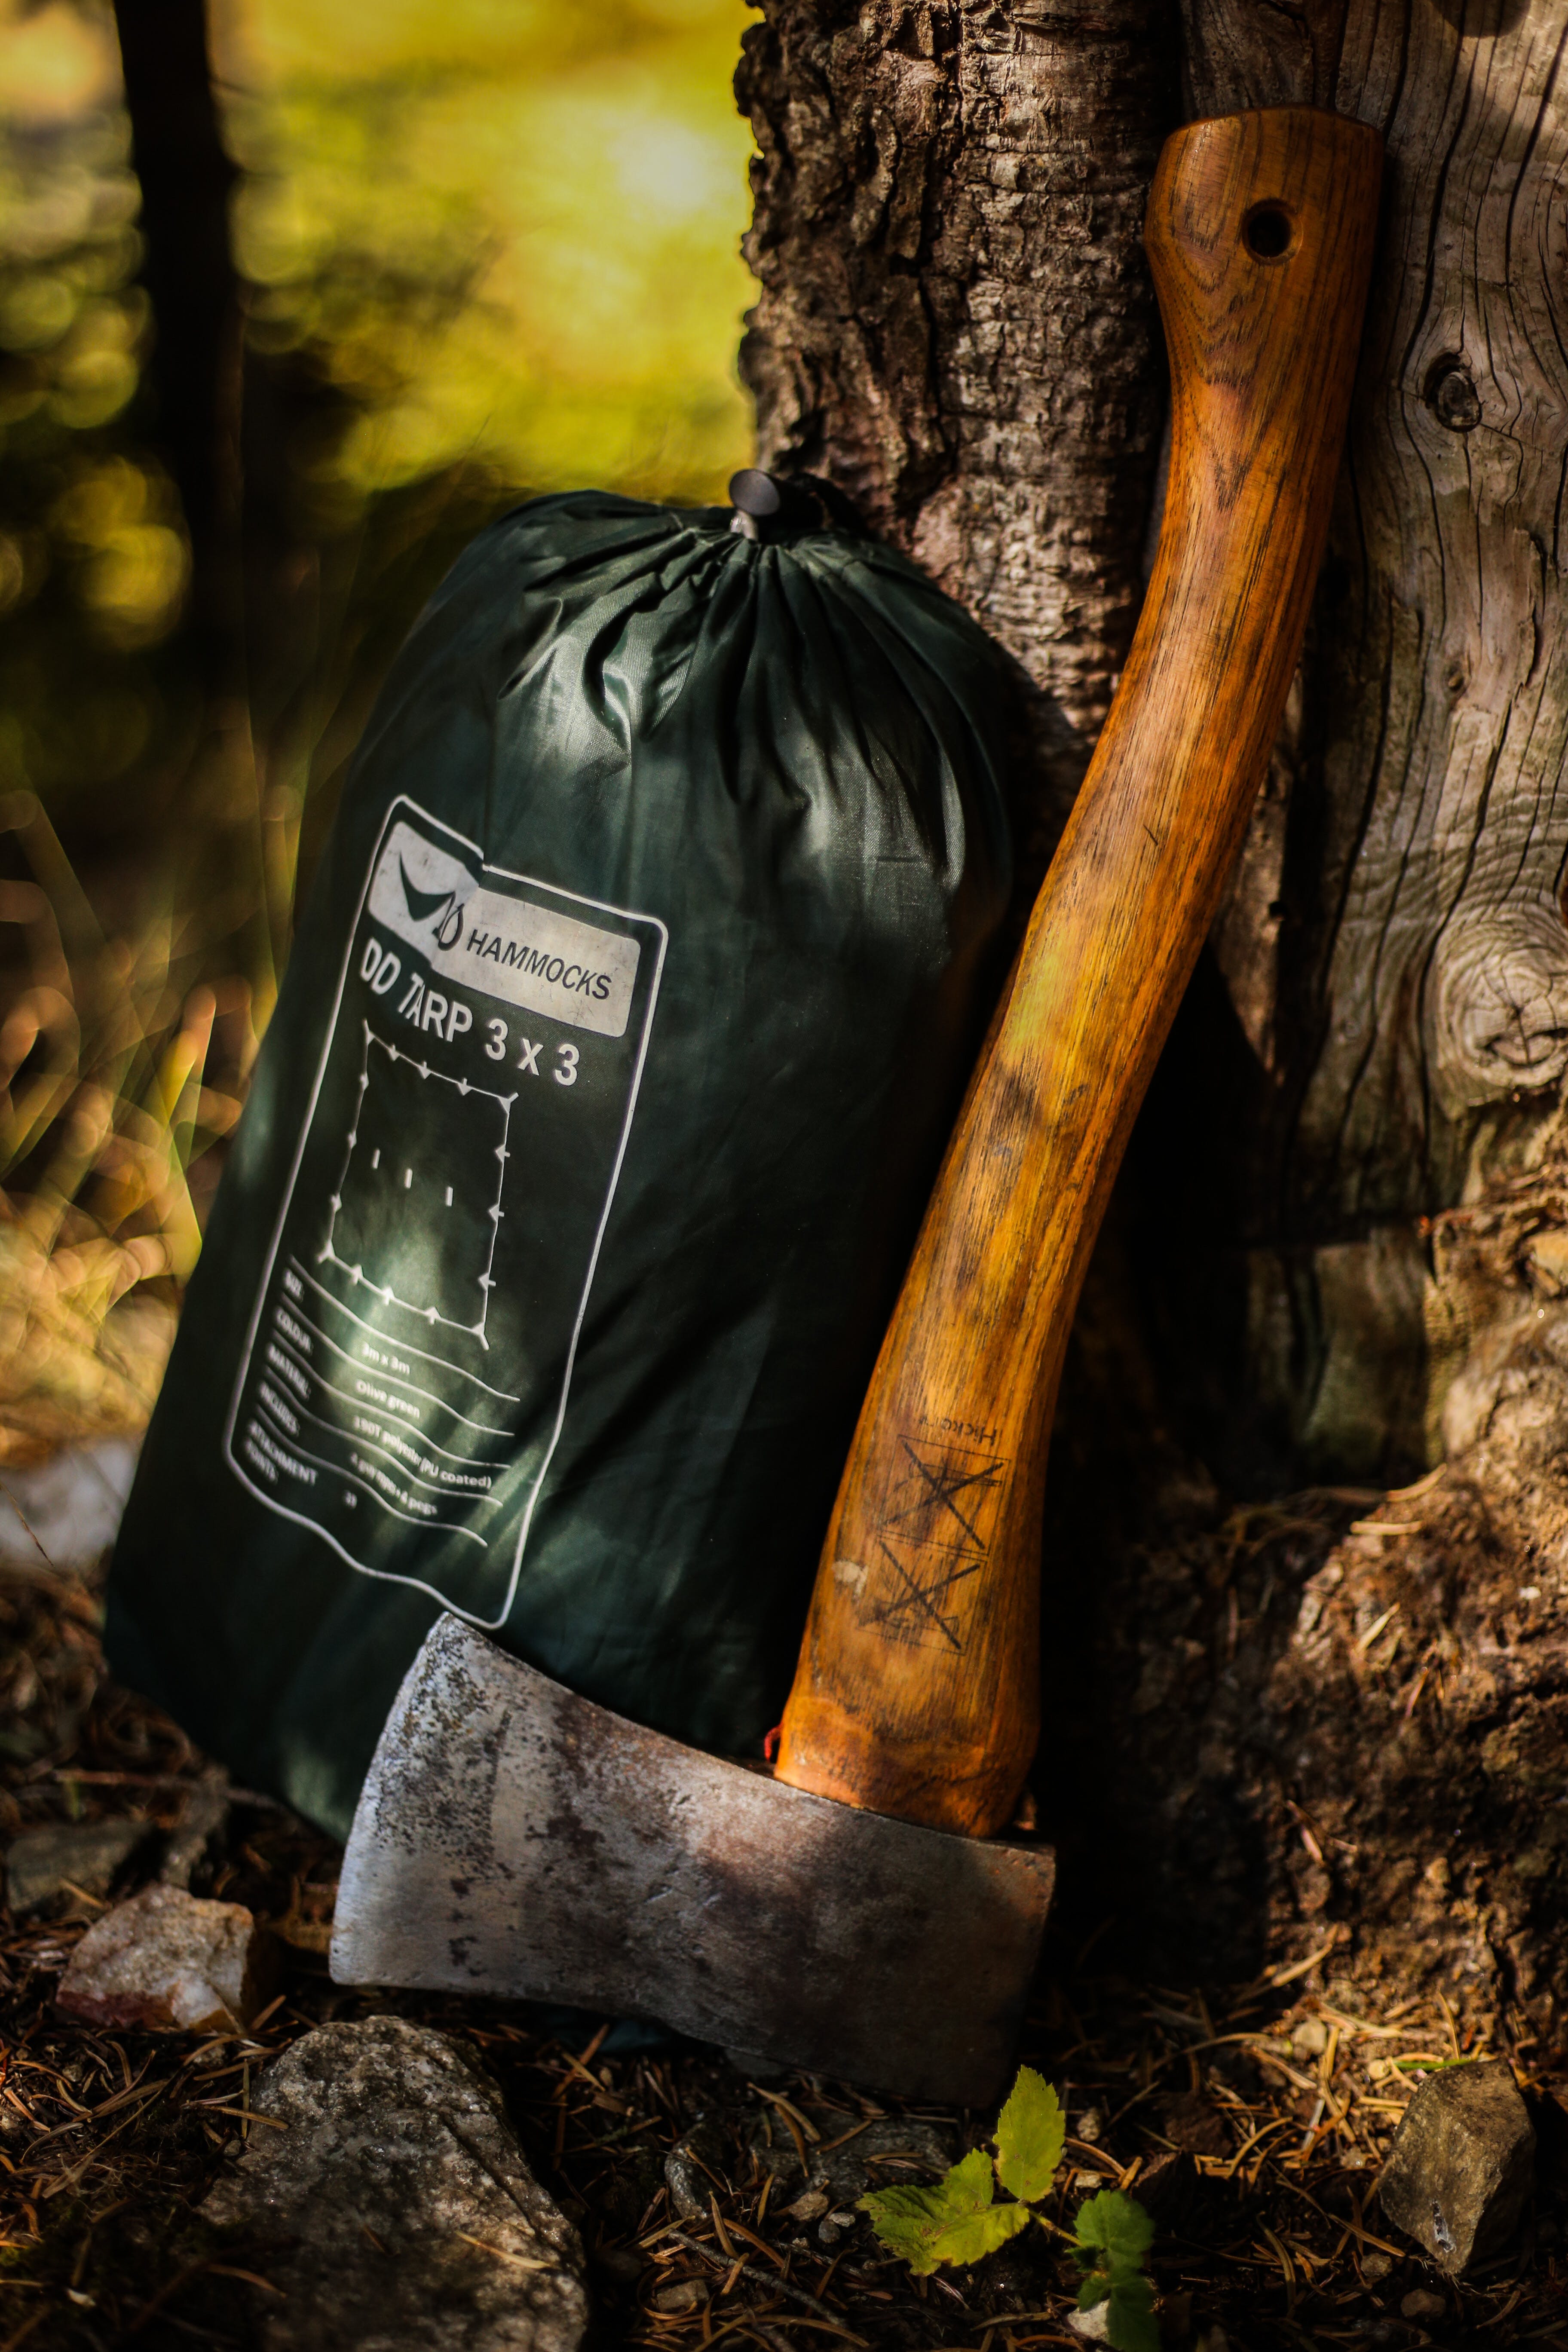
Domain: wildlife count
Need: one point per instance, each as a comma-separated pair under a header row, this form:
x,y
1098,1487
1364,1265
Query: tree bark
x,y
1414,1030
1355,1741
1345,1231
956,329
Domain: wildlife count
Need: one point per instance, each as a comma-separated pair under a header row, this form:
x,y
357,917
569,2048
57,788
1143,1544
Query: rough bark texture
x,y
1414,1032
1346,1228
1371,1744
956,327
1328,1724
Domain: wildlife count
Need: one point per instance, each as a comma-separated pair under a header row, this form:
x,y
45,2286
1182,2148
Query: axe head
x,y
512,1839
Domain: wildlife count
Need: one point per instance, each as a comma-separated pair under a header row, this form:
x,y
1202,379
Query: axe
x,y
856,1911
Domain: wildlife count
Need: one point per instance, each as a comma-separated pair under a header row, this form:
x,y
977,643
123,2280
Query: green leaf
x,y
1114,2232
1130,2323
953,2223
1030,2131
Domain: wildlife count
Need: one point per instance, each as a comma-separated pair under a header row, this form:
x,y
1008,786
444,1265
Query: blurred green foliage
x,y
92,554
509,232
486,247
489,247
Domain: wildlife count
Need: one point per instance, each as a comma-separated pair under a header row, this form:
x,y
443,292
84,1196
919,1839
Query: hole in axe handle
x,y
1270,232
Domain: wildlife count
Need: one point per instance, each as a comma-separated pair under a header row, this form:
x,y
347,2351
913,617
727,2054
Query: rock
x,y
1461,2165
399,2194
64,1513
1376,2267
620,2264
810,2206
204,1817
685,2184
85,1854
164,1959
1094,2326
1422,2304
1311,2038
885,2154
686,2171
625,2195
755,2069
686,2295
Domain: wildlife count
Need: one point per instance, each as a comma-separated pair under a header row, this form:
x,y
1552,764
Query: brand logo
x,y
477,929
442,909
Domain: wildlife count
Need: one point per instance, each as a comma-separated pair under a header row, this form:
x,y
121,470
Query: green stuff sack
x,y
620,1040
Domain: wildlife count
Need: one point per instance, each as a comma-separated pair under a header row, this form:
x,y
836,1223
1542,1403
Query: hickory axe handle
x,y
917,1692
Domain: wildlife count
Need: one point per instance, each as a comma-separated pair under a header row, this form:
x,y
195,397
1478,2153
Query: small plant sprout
x,y
961,2221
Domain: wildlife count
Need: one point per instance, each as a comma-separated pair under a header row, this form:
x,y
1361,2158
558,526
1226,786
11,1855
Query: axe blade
x,y
513,1839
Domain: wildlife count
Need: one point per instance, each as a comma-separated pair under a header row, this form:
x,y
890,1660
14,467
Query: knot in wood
x,y
1450,394
1499,1005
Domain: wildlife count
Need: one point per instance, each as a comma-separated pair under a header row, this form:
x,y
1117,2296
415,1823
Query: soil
x,y
1250,2116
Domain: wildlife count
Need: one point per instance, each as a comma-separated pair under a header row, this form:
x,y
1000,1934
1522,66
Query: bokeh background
x,y
435,256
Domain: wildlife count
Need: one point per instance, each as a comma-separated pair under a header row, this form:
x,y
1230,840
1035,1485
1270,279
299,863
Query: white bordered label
x,y
475,937
408,1366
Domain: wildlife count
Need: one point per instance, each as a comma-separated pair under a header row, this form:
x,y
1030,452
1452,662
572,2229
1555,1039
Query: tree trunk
x,y
1343,1223
956,327
224,419
185,177
1413,1033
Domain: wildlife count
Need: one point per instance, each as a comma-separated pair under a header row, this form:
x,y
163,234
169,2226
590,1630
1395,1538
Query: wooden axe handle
x,y
917,1692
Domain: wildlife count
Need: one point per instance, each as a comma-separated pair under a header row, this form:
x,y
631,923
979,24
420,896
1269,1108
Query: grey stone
x,y
688,2168
409,2221
1461,2165
1422,2304
88,1854
686,2185
757,2070
686,2295
621,2264
1093,2326
64,1513
885,2154
166,1959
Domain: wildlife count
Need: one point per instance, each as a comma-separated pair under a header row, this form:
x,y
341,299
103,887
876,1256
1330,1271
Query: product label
x,y
475,937
409,1362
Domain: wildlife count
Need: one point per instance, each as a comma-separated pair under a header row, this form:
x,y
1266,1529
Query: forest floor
x,y
1250,2119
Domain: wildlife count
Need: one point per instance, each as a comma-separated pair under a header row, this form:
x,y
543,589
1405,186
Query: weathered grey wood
x,y
955,329
1422,1028
1393,945
956,326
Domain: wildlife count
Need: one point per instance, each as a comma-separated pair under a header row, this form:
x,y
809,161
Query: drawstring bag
x,y
618,1045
